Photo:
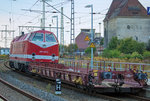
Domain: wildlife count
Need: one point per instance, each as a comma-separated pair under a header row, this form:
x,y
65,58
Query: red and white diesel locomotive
x,y
37,46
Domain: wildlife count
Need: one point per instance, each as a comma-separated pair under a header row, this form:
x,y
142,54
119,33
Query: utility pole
x,y
92,35
6,31
43,19
5,36
62,32
72,31
99,29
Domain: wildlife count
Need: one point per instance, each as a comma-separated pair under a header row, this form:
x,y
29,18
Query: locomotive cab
x,y
47,46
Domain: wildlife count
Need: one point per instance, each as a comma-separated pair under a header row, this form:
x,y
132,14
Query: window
x,y
31,35
38,37
128,26
50,38
136,38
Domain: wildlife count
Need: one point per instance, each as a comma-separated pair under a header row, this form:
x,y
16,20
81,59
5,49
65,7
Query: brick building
x,y
82,44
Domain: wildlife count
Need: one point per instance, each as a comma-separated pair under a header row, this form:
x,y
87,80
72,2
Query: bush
x,y
106,53
125,56
88,50
136,55
128,46
72,48
113,43
146,54
111,53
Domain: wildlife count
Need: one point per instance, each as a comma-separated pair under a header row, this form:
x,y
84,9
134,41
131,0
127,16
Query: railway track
x,y
2,98
32,97
52,81
139,98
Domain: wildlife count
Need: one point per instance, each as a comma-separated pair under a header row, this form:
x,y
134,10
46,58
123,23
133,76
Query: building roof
x,y
125,8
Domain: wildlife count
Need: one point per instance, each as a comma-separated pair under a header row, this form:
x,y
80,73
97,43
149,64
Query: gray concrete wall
x,y
109,30
137,28
124,27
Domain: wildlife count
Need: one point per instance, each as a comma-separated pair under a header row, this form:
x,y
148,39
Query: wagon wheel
x,y
90,89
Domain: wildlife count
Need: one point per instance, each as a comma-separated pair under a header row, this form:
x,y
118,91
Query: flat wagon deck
x,y
105,77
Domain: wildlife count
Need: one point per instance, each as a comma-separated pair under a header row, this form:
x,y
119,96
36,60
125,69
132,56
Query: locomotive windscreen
x,y
38,37
50,38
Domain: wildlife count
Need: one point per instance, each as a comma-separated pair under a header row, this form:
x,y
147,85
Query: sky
x,y
16,13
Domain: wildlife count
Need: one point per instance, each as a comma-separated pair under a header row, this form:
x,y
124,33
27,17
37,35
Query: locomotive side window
x,y
38,37
50,38
31,36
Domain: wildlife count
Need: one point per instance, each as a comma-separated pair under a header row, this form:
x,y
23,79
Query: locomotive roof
x,y
42,31
23,37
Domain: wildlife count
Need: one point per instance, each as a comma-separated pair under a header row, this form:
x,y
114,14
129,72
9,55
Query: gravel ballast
x,y
38,92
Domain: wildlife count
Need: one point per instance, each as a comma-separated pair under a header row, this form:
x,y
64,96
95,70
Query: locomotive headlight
x,y
33,54
33,58
53,57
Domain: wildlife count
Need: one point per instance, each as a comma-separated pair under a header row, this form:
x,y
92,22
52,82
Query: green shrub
x,y
125,56
128,46
115,53
111,53
146,54
113,43
128,56
106,53
88,50
136,55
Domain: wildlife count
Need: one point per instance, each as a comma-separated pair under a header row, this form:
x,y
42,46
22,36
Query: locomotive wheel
x,y
26,69
11,64
20,66
90,90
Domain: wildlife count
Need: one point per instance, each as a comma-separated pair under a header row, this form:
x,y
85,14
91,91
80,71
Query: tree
x,y
148,45
102,42
113,43
128,46
72,48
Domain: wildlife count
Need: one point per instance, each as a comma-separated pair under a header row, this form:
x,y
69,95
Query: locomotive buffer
x,y
58,86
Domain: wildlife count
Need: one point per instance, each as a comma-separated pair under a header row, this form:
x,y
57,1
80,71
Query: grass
x,y
48,87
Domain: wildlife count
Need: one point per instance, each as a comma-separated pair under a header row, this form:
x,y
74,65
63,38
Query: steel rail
x,y
3,98
19,90
138,97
